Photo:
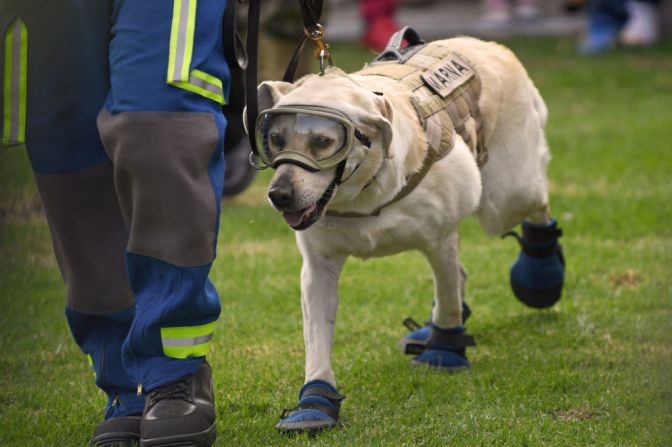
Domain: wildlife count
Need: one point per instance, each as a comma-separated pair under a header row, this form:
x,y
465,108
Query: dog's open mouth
x,y
302,219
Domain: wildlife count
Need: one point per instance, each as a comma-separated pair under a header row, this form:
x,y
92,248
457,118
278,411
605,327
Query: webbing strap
x,y
440,338
14,89
412,182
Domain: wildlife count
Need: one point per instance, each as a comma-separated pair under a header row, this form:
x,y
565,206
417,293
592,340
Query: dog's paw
x,y
318,408
442,359
415,342
538,274
446,349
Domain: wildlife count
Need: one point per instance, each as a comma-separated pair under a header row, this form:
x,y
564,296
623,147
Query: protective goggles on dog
x,y
312,137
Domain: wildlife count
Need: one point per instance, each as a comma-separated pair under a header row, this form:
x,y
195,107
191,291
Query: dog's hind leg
x,y
537,276
446,343
319,400
415,342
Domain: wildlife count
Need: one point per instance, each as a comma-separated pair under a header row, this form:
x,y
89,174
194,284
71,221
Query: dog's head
x,y
318,133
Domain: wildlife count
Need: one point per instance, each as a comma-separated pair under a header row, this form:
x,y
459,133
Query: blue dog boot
x,y
446,349
538,274
415,342
318,408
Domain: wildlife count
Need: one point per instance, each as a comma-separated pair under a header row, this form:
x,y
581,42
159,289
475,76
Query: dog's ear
x,y
270,92
383,121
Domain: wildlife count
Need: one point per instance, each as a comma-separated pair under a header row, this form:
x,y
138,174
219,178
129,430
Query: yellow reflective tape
x,y
183,352
201,91
188,331
15,84
207,78
181,40
203,84
174,30
187,341
90,362
189,43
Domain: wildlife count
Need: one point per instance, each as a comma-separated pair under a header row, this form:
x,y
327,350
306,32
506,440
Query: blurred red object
x,y
379,21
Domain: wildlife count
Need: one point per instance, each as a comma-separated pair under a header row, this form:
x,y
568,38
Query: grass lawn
x,y
594,370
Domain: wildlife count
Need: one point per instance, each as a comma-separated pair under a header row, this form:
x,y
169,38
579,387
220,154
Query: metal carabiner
x,y
322,50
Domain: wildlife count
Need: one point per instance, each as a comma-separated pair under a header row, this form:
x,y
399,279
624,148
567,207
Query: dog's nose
x,y
281,196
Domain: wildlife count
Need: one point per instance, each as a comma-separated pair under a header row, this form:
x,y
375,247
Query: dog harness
x,y
445,91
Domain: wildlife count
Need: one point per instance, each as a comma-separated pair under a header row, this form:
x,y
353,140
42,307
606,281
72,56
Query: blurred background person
x,y
502,11
631,22
379,22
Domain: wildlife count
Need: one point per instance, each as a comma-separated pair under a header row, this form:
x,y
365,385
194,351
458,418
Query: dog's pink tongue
x,y
294,218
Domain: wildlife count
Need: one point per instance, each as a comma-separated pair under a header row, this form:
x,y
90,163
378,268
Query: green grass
x,y
594,370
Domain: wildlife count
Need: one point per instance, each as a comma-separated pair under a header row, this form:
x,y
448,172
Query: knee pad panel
x,y
161,162
89,238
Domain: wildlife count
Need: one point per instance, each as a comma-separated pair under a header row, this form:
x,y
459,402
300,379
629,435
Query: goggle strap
x,y
363,138
298,163
339,172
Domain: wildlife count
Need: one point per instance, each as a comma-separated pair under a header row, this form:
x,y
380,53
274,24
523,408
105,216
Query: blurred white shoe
x,y
494,18
641,29
527,12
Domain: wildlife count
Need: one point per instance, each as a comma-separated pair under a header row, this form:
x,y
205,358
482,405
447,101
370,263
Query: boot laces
x,y
178,390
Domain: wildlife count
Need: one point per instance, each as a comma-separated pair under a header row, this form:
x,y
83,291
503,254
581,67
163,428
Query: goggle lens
x,y
318,137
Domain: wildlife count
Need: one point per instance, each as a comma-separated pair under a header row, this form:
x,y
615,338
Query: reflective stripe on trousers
x,y
14,90
187,341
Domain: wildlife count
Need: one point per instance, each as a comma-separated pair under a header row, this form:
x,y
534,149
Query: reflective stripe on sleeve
x,y
187,341
204,85
181,49
14,91
181,40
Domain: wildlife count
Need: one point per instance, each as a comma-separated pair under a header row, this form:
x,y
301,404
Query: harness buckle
x,y
322,49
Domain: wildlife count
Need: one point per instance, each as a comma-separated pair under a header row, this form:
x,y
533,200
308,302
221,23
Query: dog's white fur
x,y
512,185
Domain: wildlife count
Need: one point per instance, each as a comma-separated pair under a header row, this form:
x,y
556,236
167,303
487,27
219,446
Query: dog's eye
x,y
320,142
277,140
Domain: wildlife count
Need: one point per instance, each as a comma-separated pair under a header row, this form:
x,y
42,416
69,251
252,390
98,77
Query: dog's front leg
x,y
319,400
319,302
446,342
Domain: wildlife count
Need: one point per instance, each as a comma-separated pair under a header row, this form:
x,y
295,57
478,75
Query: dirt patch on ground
x,y
629,279
582,413
21,211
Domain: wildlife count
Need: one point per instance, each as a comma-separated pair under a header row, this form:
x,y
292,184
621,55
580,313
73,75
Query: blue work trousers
x,y
118,103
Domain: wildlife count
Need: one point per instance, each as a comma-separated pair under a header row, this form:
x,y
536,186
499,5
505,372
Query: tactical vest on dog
x,y
444,92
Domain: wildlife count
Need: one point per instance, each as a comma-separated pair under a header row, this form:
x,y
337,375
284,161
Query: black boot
x,y
181,412
121,431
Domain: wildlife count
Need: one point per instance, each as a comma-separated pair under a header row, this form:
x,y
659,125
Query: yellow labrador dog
x,y
366,165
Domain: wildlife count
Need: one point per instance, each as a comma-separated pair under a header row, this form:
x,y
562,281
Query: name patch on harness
x,y
444,77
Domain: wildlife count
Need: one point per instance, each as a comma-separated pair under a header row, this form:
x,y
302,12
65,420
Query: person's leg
x,y
163,128
57,79
605,20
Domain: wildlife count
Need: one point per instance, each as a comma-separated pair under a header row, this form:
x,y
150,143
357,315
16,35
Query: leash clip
x,y
257,163
322,50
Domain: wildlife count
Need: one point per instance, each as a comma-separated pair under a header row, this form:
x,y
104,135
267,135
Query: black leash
x,y
251,72
311,11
